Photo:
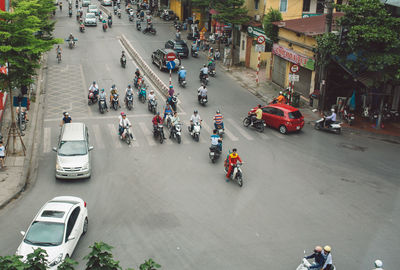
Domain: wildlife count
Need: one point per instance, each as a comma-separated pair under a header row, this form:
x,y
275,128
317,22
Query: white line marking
x,y
147,133
240,129
103,117
114,135
46,140
98,137
230,135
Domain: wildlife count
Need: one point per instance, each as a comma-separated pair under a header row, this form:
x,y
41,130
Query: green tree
x,y
201,4
368,33
150,264
67,264
12,263
37,260
100,258
271,30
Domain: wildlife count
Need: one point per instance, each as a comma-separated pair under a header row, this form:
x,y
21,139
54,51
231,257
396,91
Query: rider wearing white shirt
x,y
202,92
151,96
123,122
194,119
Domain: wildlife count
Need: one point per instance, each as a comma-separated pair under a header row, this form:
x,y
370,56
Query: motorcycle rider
x,y
66,119
171,91
71,37
378,265
281,98
217,54
257,115
168,109
182,74
157,120
113,90
318,258
202,92
211,64
216,140
195,118
326,253
204,71
103,95
58,50
94,88
178,35
151,96
123,56
218,120
123,122
174,120
128,91
330,119
233,158
137,73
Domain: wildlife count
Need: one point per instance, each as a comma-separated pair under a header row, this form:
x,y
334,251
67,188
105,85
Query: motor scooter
x,y
333,127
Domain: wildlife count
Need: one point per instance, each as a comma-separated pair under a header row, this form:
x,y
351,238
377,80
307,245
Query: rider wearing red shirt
x,y
157,120
233,158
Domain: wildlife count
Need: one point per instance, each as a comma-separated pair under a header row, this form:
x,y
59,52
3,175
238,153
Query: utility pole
x,y
324,69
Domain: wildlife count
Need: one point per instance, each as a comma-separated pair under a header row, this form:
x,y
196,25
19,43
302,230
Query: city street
x,y
170,203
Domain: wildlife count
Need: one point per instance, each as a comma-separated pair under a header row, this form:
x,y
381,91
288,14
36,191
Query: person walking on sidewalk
x,y
2,154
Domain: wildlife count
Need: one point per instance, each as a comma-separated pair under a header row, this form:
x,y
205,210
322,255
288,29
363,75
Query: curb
x,y
162,87
28,160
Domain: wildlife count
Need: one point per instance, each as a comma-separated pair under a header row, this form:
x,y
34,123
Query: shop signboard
x,y
293,57
256,32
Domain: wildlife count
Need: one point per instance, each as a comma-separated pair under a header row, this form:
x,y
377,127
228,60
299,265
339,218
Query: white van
x,y
73,152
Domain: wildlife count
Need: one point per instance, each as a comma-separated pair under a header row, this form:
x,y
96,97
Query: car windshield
x,y
92,7
90,16
178,46
72,148
295,115
45,234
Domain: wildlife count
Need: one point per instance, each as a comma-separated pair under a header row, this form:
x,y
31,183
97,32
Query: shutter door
x,y
303,85
279,71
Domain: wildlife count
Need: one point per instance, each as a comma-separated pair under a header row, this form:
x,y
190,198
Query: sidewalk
x,y
18,171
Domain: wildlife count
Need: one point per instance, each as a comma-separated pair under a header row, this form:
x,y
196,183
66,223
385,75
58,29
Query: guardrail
x,y
162,87
106,11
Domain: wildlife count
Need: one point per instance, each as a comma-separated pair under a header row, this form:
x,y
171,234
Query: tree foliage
x,y
230,11
101,258
271,30
369,40
201,4
25,34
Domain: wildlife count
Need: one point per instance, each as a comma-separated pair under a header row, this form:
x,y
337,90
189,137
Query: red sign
x,y
294,68
171,56
294,57
260,39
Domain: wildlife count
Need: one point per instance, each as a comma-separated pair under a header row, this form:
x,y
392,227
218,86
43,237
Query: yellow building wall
x,y
249,4
198,17
176,6
294,8
254,57
302,39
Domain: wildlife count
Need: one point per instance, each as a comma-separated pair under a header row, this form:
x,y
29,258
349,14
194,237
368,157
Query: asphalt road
x,y
169,202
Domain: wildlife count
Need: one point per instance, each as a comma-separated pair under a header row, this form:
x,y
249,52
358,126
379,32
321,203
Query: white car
x,y
106,3
90,19
56,228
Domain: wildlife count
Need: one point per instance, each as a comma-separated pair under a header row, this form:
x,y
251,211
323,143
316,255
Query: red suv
x,y
283,117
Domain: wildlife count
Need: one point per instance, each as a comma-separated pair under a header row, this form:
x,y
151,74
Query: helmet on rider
x,y
123,114
129,86
327,249
113,86
195,111
158,113
332,110
152,91
102,89
182,67
280,92
378,263
171,86
218,112
204,65
318,249
94,82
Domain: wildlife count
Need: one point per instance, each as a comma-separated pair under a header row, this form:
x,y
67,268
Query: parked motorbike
x,y
142,95
115,101
92,98
251,121
21,121
195,132
334,127
159,132
203,78
215,153
152,106
102,106
176,132
127,135
129,101
123,61
395,115
202,100
348,116
236,174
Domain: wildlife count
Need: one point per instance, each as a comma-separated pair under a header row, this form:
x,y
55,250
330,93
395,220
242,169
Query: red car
x,y
283,117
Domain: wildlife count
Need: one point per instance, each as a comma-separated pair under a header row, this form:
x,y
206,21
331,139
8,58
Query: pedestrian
x,y
2,154
178,35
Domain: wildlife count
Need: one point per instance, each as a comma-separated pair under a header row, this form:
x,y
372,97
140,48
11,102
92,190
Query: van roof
x,y
73,132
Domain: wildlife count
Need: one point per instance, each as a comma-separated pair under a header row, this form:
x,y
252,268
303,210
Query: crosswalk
x,y
102,134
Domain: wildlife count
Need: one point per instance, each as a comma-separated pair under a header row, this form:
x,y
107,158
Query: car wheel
x,y
85,226
282,129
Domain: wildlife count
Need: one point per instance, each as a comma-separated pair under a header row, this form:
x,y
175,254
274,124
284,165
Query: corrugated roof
x,y
311,26
395,3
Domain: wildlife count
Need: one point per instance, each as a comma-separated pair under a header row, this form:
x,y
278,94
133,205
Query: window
x,y
306,5
283,6
295,115
320,7
53,214
71,222
243,45
279,112
268,110
256,3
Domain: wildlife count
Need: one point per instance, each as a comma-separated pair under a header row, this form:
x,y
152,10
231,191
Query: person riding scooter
x,y
331,118
318,258
233,158
182,74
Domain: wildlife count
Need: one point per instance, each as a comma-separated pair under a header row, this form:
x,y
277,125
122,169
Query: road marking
x,y
148,134
101,117
98,137
114,135
262,135
206,127
230,135
46,140
240,129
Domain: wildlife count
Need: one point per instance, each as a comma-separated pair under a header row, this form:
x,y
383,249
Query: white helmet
x,y
332,110
378,263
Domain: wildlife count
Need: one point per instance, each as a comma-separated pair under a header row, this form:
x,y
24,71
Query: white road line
x,y
46,140
98,137
240,129
147,133
230,135
113,130
100,117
